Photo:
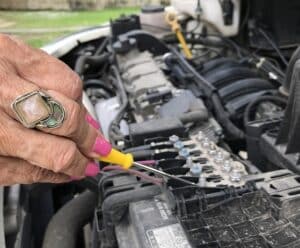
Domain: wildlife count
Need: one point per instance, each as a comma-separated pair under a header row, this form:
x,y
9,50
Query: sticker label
x,y
171,236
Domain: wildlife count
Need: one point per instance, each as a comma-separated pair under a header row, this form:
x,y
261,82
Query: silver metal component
x,y
235,176
179,145
219,158
219,163
202,181
184,153
200,136
189,162
196,169
212,149
227,166
174,138
164,174
205,143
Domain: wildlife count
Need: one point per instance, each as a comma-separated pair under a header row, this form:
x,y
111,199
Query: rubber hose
x,y
289,73
243,87
202,83
233,131
103,45
97,83
63,228
124,103
253,105
84,60
216,64
194,116
224,77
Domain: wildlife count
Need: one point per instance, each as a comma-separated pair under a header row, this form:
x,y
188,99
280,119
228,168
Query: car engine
x,y
225,118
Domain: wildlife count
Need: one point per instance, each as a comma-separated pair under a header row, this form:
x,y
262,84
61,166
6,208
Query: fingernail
x,y
102,146
92,121
92,170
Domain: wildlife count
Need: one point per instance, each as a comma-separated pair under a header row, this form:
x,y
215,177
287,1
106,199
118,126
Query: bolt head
x,y
235,176
184,153
227,166
174,138
178,145
196,169
200,136
219,158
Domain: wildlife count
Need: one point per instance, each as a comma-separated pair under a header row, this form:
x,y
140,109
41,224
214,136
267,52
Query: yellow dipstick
x,y
171,19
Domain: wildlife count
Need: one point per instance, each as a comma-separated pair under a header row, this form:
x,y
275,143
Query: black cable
x,y
247,14
84,60
273,44
202,83
210,92
124,103
102,46
65,225
97,83
222,116
250,109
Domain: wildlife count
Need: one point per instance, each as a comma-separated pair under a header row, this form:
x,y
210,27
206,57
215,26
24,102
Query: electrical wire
x,y
273,44
142,175
124,103
147,162
102,46
247,14
254,104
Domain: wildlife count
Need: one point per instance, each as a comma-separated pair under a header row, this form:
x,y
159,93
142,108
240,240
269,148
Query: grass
x,y
23,20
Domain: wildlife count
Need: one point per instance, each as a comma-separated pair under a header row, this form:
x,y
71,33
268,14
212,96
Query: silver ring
x,y
38,110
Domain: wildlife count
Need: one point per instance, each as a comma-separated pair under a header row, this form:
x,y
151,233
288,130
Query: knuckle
x,y
37,174
73,122
65,159
75,86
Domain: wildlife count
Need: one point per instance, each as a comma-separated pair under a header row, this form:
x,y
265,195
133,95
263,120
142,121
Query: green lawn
x,y
20,21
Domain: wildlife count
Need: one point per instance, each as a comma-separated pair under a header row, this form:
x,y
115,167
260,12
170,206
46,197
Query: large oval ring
x,y
38,110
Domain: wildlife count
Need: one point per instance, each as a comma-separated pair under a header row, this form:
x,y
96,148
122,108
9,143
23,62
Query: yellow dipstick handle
x,y
118,158
173,22
185,47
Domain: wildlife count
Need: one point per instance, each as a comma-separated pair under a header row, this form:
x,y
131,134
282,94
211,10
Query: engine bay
x,y
225,119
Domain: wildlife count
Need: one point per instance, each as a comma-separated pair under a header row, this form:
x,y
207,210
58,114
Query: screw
x,y
212,149
227,166
219,158
184,153
200,136
196,170
189,162
205,143
174,138
178,145
235,176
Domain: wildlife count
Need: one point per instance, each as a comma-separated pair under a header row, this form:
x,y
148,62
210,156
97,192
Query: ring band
x,y
38,110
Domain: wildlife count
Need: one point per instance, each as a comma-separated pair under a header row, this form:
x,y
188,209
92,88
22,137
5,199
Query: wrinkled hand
x,y
46,155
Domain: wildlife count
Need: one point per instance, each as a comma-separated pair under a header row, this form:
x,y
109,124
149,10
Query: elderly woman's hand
x,y
44,155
